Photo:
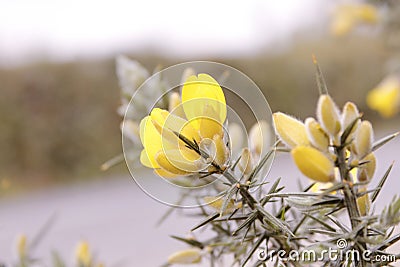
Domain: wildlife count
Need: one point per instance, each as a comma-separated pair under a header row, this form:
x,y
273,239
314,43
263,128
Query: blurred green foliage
x,y
58,122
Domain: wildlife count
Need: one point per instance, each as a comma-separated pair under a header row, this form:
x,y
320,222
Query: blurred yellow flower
x,y
385,98
22,246
290,130
82,254
204,106
313,164
348,16
187,256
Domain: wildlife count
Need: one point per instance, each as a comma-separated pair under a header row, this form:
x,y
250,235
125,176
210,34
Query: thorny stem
x,y
350,199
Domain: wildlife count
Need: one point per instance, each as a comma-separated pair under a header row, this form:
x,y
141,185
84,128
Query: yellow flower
x,y
347,17
204,106
316,134
328,115
82,253
313,164
363,139
187,256
290,130
385,98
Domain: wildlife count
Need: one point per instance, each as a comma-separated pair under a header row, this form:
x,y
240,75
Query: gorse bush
x,y
187,140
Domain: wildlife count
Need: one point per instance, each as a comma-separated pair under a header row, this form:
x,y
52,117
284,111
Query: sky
x,y
67,30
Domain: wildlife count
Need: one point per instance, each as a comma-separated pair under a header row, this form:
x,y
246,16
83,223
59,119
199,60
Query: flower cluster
x,y
314,143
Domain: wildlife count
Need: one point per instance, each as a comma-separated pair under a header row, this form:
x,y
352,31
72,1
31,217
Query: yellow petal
x,y
316,134
366,171
167,123
321,187
217,202
290,130
165,173
363,139
363,202
179,161
313,164
385,98
144,159
209,123
151,141
221,152
187,256
328,115
350,113
200,91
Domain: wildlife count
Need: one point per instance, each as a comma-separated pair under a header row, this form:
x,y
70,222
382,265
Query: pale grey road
x,y
118,219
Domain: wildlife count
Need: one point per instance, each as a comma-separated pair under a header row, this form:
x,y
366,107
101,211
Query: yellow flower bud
x,y
260,137
221,152
350,113
187,256
131,130
175,104
321,187
363,202
313,164
22,246
366,171
363,139
245,163
328,115
235,138
290,130
217,202
82,253
316,134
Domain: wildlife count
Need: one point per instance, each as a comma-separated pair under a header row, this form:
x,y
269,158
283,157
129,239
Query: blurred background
x,y
60,93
